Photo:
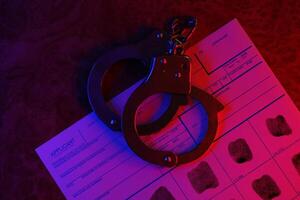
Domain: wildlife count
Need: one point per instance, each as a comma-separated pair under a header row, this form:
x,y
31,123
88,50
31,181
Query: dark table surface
x,y
47,47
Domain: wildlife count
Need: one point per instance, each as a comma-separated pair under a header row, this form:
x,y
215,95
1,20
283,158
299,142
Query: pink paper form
x,y
257,146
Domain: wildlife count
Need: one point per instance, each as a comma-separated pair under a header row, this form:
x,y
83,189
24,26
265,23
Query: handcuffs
x,y
169,71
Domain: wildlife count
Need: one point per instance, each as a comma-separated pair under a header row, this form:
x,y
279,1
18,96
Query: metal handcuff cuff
x,y
169,72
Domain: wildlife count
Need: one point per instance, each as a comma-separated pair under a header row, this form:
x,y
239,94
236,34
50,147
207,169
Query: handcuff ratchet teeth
x,y
170,72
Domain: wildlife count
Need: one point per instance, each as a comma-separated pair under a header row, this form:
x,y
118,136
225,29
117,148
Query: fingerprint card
x,y
256,154
164,188
203,178
267,182
230,193
278,127
289,162
242,151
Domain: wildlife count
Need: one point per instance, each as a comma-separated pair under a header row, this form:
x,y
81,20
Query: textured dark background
x,y
46,48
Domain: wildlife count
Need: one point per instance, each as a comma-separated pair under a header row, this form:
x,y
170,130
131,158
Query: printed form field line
x,y
88,164
239,124
226,62
132,174
251,101
252,115
272,157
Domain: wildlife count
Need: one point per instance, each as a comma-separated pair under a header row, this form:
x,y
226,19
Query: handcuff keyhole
x,y
168,159
163,61
113,122
178,75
